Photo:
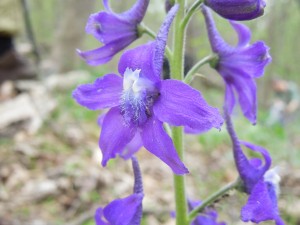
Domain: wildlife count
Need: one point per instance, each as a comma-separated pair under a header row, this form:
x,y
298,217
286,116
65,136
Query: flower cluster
x,y
141,106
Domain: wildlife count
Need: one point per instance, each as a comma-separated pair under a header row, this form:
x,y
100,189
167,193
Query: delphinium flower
x,y
238,65
259,181
125,211
237,9
115,30
141,101
208,217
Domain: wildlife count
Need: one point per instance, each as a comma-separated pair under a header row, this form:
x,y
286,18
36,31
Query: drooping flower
x,y
115,31
237,9
238,66
260,182
208,217
125,211
141,101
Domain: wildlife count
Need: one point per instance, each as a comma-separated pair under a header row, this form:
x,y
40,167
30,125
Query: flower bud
x,y
237,9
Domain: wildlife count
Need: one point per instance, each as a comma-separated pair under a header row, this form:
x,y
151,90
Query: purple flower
x,y
237,9
209,217
115,31
238,65
140,102
261,183
125,211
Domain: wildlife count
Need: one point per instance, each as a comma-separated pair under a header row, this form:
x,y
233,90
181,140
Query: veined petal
x,y
122,211
105,92
181,105
229,98
156,141
115,134
105,53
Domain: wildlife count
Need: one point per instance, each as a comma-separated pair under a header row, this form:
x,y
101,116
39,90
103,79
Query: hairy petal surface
x,y
156,141
105,92
181,105
115,134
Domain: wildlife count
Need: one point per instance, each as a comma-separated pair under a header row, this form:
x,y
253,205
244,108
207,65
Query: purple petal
x,y
263,152
181,105
99,217
115,134
132,147
105,92
137,11
261,205
140,58
243,33
160,144
123,211
106,27
229,98
237,9
106,53
149,57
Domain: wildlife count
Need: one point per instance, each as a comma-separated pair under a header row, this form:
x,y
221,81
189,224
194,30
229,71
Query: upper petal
x,y
115,134
181,105
149,57
107,27
243,32
105,92
156,141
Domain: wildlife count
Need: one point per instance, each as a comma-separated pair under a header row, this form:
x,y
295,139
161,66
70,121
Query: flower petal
x,y
99,217
261,205
229,98
123,211
156,141
243,32
106,53
181,105
115,134
132,147
105,92
149,57
106,27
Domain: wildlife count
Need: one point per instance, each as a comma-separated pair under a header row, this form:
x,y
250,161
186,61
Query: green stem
x,y
176,65
211,199
191,12
144,29
190,75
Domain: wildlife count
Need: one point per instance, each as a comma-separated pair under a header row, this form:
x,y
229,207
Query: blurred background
x,y
50,172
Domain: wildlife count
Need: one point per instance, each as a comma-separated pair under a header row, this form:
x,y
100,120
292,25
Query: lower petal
x,y
260,206
181,105
115,134
156,141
